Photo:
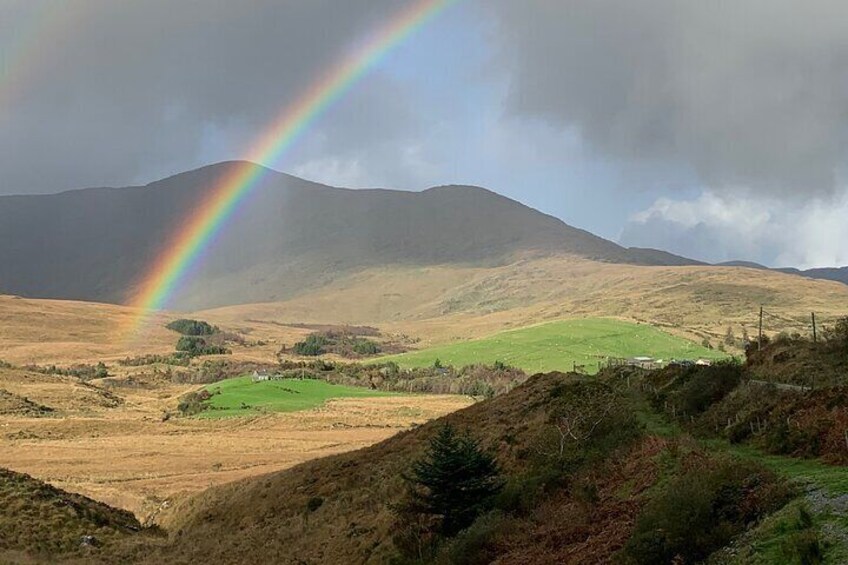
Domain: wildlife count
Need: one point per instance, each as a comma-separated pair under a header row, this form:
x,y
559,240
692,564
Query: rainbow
x,y
171,268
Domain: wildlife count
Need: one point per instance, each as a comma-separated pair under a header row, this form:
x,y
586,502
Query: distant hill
x,y
290,236
838,274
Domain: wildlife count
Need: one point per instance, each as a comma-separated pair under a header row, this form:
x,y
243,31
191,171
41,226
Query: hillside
x,y
612,496
40,523
446,304
838,274
62,331
655,469
291,234
268,519
559,346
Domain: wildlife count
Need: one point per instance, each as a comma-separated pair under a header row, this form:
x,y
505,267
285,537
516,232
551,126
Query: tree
x,y
454,482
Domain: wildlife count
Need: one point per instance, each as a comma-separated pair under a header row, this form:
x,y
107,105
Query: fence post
x,y
815,335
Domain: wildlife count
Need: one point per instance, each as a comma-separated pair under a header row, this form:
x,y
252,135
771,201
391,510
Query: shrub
x,y
709,385
314,503
474,546
690,391
587,421
194,402
192,327
703,509
837,336
365,347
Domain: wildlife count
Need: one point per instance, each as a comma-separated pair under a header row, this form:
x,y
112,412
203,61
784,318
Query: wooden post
x,y
760,337
815,335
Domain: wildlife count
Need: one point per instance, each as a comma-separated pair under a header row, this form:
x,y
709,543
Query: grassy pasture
x,y
243,397
559,345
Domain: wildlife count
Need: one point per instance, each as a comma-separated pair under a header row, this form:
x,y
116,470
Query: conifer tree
x,y
455,481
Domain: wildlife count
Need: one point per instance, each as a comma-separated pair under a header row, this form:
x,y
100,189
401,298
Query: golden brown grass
x,y
441,304
64,331
449,303
126,456
123,454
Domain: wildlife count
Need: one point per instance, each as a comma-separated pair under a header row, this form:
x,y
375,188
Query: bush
x,y
474,546
703,509
365,347
690,391
192,327
194,402
837,336
587,420
708,385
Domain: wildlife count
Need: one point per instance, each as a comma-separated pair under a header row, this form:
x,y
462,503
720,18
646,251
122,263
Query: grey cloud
x,y
129,90
746,93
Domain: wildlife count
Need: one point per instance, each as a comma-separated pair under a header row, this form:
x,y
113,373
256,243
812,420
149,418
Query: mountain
x,y
289,236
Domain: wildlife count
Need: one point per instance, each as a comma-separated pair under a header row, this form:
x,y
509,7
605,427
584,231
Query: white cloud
x,y
716,227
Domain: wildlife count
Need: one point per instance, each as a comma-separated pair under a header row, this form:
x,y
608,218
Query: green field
x,y
559,345
243,397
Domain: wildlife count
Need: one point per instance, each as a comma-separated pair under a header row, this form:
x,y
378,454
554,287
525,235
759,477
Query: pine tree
x,y
454,481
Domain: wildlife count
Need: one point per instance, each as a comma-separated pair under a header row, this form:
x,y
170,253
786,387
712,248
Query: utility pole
x,y
760,337
815,336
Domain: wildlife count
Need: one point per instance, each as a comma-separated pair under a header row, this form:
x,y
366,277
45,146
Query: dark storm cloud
x,y
743,93
117,91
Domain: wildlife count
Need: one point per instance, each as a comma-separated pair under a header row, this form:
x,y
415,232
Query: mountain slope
x,y
290,234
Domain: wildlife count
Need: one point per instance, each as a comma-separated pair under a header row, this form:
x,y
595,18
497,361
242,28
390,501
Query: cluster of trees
x,y
82,372
192,327
153,359
341,343
194,346
480,381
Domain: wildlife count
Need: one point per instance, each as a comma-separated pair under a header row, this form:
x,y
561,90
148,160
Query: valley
x,y
114,445
302,357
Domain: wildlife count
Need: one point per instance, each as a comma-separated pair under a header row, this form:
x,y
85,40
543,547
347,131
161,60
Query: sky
x,y
716,130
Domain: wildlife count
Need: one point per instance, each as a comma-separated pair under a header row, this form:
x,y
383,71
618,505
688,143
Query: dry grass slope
x,y
266,519
40,522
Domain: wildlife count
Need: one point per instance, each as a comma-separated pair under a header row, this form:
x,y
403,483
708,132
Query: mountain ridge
x,y
289,234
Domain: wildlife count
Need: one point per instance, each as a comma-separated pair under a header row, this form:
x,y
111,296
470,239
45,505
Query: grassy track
x,y
243,397
559,345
